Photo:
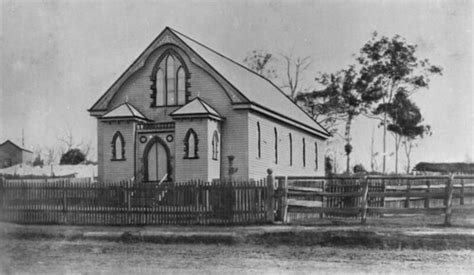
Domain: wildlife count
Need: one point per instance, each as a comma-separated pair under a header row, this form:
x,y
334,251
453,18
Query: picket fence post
x,y
449,200
270,199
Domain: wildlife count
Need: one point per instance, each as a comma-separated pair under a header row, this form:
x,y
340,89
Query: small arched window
x,y
215,146
191,145
291,148
259,141
169,81
315,156
276,144
304,152
118,147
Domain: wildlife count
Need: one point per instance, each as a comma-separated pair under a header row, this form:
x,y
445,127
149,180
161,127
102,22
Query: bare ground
x,y
95,257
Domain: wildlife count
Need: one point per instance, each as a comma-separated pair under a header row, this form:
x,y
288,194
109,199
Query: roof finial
x,y
23,137
126,99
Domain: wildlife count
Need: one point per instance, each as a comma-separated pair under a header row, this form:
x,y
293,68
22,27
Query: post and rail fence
x,y
273,199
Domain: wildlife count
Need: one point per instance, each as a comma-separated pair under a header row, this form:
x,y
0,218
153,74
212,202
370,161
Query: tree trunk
x,y
384,141
397,147
347,136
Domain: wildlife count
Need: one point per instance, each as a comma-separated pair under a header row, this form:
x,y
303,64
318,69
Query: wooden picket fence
x,y
82,202
362,197
284,199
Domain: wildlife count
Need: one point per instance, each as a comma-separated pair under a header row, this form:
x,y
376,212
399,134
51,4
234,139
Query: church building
x,y
183,111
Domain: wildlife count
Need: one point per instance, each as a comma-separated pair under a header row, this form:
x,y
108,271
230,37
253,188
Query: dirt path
x,y
73,257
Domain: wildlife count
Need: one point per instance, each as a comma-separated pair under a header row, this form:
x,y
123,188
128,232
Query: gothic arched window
x,y
118,147
191,145
169,81
215,146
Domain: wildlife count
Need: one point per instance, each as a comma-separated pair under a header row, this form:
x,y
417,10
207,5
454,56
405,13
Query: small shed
x,y
12,154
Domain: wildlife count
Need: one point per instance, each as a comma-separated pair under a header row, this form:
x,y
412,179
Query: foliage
x,y
359,168
72,156
38,161
340,101
389,66
260,61
328,166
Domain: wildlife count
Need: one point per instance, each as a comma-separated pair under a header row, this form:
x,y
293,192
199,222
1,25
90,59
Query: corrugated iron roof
x,y
15,145
256,88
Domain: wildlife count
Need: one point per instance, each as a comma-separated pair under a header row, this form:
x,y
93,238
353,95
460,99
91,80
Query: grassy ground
x,y
93,257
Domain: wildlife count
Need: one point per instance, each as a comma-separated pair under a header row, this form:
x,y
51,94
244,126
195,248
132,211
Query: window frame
x,y
186,144
118,135
162,65
215,145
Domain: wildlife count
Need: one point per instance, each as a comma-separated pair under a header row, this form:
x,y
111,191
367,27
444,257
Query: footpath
x,y
437,238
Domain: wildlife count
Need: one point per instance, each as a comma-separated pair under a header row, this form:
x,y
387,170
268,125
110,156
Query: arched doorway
x,y
156,160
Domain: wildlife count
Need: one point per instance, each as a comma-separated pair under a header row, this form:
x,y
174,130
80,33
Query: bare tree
x,y
295,67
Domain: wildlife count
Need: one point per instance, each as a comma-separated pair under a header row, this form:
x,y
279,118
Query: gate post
x,y
364,205
282,199
270,199
449,200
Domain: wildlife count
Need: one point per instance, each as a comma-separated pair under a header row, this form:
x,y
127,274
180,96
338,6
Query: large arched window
x,y
215,146
191,145
118,147
169,81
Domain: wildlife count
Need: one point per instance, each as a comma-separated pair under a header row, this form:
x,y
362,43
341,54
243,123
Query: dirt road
x,y
81,257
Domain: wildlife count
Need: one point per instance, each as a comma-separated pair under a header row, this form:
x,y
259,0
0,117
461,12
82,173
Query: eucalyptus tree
x,y
341,100
405,123
390,65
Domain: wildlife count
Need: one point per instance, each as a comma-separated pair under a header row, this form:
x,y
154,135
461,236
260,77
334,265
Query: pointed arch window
x,y
259,141
118,147
169,80
215,146
291,148
304,152
191,145
315,156
276,144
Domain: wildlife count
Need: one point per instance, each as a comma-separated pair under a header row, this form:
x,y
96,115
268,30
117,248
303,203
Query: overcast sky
x,y
59,58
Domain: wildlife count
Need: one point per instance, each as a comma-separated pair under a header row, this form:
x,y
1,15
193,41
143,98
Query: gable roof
x,y
125,110
196,107
17,146
253,88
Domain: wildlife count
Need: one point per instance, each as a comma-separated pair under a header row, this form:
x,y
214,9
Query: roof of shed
x,y
15,145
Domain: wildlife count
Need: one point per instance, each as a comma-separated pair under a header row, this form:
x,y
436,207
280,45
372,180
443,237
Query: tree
x,y
260,62
405,118
73,157
341,100
389,65
295,67
38,161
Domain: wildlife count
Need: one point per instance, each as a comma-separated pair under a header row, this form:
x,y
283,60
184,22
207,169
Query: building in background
x,y
183,111
12,154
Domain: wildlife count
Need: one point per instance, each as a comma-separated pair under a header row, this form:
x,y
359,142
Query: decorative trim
x,y
156,139
143,139
116,136
186,144
169,138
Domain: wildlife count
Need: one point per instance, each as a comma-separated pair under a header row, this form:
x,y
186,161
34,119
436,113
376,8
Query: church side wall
x,y
259,165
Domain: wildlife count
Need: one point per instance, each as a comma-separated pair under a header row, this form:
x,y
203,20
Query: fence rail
x,y
362,197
